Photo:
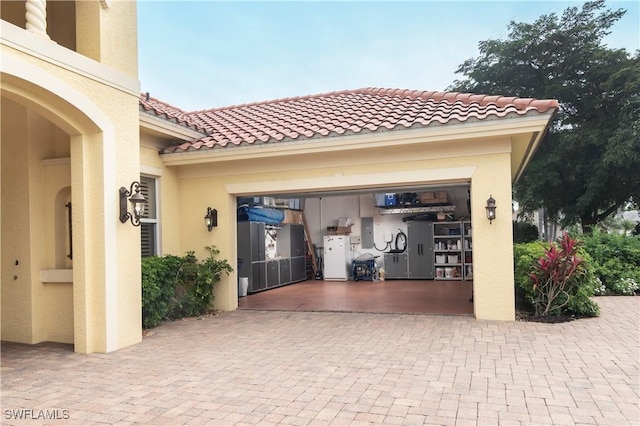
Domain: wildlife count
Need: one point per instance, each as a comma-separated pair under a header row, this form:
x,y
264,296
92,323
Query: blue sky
x,y
208,54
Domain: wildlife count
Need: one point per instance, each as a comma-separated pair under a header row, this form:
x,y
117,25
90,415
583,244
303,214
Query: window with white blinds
x,y
149,219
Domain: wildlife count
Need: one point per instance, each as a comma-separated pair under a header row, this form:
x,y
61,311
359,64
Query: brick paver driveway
x,y
256,367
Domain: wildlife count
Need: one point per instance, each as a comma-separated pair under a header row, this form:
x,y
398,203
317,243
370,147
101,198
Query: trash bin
x,y
243,282
243,285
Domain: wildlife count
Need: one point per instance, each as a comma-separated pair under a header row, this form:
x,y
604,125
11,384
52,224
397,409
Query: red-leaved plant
x,y
553,276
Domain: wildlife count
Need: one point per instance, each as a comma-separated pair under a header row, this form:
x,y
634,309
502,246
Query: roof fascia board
x,y
536,138
168,128
459,131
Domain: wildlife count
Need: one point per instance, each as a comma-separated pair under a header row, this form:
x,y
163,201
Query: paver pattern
x,y
299,368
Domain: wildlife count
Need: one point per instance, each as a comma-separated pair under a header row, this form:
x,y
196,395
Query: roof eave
x,y
534,123
534,143
168,128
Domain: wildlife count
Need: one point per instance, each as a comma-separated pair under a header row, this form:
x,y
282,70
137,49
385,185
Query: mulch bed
x,y
522,315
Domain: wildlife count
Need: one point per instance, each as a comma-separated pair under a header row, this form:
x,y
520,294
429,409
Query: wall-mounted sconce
x,y
211,218
491,209
137,201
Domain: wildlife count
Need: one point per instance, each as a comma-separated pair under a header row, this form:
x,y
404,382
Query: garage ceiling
x,y
457,194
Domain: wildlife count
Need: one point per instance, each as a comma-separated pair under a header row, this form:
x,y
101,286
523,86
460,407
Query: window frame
x,y
155,221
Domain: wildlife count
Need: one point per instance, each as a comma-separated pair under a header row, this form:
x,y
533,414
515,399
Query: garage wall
x,y
493,284
486,163
354,207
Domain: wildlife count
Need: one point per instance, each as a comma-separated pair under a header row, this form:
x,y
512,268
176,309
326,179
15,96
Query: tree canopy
x,y
588,165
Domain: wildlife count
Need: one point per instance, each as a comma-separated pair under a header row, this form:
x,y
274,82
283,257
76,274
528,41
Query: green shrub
x,y
616,260
158,289
554,276
571,285
581,303
176,287
625,287
524,232
525,255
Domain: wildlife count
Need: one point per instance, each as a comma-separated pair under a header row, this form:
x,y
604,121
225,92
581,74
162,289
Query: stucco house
x,y
75,130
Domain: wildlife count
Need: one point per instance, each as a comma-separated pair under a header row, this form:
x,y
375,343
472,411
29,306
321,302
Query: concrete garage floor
x,y
335,368
391,296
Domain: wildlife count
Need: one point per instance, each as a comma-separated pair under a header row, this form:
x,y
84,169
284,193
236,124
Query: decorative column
x,y
37,17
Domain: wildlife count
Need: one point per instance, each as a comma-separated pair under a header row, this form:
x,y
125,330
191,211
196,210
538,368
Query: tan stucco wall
x,y
195,196
493,284
28,302
17,321
151,165
48,302
485,163
109,35
96,107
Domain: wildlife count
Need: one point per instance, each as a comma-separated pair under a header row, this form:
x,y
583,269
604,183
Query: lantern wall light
x,y
211,218
137,200
491,209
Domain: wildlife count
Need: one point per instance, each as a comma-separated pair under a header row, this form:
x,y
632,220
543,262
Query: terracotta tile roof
x,y
342,113
168,112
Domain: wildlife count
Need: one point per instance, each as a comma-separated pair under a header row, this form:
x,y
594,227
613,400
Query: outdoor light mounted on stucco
x,y
491,209
211,218
137,201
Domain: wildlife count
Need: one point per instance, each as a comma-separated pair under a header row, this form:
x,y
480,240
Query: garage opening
x,y
387,250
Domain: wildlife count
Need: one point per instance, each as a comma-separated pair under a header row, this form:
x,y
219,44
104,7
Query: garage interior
x,y
390,250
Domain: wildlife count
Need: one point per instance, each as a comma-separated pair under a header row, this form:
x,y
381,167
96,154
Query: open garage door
x,y
399,249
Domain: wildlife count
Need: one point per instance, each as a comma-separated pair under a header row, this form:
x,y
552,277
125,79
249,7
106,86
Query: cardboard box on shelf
x,y
289,203
427,196
297,217
292,217
339,230
434,198
288,217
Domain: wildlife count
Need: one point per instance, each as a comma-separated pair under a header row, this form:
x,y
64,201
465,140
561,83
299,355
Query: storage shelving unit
x,y
467,247
418,209
448,249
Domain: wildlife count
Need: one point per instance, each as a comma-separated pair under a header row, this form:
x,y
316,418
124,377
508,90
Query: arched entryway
x,y
58,162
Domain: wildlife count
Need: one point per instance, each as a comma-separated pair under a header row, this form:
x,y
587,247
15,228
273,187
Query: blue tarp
x,y
260,214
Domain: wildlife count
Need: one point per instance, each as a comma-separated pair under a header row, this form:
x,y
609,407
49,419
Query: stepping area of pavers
x,y
298,368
